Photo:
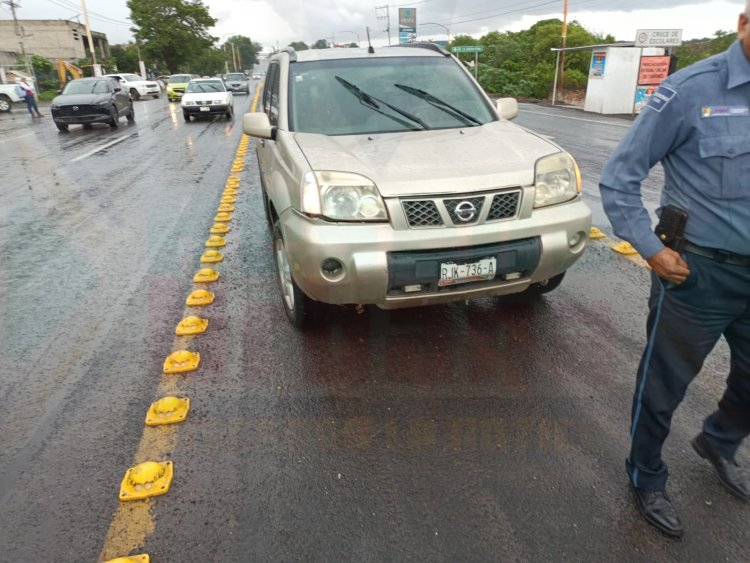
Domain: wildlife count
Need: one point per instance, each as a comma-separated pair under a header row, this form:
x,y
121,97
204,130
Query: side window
x,y
274,117
267,89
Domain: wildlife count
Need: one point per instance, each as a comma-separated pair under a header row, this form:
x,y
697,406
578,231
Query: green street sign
x,y
468,49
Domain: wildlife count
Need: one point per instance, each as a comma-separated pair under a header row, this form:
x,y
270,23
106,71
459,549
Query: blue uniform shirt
x,y
697,124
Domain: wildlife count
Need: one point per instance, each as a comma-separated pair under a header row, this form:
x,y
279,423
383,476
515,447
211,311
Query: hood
x,y
80,99
496,155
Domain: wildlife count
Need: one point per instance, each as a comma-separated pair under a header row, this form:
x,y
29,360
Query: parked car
x,y
8,97
392,179
237,82
207,96
176,86
91,100
137,86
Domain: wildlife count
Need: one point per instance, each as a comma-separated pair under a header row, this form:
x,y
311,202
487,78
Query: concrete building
x,y
52,39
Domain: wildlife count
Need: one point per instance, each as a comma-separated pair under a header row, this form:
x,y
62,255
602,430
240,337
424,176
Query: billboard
x,y
653,70
407,25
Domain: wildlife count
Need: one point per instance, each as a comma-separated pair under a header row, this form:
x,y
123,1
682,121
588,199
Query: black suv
x,y
91,100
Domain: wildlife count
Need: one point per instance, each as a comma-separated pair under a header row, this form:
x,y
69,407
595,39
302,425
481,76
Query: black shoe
x,y
732,476
659,511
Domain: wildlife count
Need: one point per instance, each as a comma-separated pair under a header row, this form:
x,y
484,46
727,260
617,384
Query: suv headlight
x,y
341,196
557,179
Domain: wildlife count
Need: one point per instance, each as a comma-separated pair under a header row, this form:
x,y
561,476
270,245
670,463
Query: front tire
x,y
61,126
230,113
186,116
131,114
5,104
114,118
155,95
134,95
534,291
301,311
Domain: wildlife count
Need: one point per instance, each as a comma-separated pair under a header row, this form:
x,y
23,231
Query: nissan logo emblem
x,y
465,211
75,108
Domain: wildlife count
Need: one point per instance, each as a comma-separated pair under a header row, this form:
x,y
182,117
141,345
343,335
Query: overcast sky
x,y
283,21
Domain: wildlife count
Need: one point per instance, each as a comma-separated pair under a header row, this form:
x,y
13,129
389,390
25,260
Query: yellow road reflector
x,y
142,558
223,217
191,325
225,207
219,229
147,479
181,361
229,192
229,186
228,199
168,410
233,179
199,298
212,256
236,169
595,233
215,241
206,275
624,248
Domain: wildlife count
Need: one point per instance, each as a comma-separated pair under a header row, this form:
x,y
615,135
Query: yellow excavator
x,y
67,72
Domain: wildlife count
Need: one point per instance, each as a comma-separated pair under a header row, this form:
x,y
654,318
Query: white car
x,y
137,86
207,96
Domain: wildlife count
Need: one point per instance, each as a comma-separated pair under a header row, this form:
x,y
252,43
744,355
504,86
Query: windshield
x,y
321,102
87,87
206,86
179,79
236,76
131,77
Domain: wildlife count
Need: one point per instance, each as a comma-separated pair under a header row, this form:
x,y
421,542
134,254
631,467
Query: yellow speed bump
x,y
226,207
191,325
223,217
199,298
206,275
182,361
142,558
236,169
228,199
168,410
595,233
212,256
229,192
219,229
147,479
215,241
233,179
624,248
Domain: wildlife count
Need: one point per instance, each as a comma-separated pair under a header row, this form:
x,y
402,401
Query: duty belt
x,y
721,256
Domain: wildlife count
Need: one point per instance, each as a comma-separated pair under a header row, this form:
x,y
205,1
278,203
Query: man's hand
x,y
670,266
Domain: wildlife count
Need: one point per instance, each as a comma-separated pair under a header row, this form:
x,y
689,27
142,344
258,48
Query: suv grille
x,y
427,212
503,206
422,213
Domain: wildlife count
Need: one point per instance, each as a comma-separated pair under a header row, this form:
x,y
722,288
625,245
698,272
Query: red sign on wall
x,y
653,70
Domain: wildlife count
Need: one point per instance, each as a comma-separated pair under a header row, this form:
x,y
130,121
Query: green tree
x,y
210,62
696,49
172,32
123,57
299,45
248,51
320,44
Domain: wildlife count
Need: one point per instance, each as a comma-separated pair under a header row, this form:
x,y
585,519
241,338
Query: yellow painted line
x,y
133,522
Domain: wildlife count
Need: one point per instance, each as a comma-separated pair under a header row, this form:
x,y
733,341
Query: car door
x,y
270,106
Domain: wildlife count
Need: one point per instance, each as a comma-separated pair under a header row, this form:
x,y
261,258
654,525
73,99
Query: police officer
x,y
697,124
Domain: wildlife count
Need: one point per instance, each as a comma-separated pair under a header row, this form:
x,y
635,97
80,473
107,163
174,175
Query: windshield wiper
x,y
438,103
372,103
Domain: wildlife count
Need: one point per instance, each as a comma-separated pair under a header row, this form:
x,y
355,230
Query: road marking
x,y
577,118
16,138
102,147
133,522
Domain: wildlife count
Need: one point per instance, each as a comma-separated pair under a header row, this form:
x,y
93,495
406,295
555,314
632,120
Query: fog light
x,y
331,266
575,239
412,288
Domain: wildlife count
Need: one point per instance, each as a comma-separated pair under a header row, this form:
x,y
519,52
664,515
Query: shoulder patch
x,y
661,98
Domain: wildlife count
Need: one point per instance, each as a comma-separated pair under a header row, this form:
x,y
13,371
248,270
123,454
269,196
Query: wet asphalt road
x,y
479,431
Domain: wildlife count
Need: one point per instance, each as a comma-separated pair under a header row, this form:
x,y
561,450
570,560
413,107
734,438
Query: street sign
x,y
658,38
468,49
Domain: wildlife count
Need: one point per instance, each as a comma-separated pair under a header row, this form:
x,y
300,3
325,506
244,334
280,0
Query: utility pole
x,y
21,35
234,58
386,17
88,34
562,53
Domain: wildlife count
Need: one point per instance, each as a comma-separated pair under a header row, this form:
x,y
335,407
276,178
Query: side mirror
x,y
59,91
117,89
257,124
507,108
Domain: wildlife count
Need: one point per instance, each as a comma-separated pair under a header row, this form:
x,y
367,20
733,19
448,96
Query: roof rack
x,y
292,54
425,45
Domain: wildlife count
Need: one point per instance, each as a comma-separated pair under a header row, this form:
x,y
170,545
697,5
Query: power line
x,y
94,16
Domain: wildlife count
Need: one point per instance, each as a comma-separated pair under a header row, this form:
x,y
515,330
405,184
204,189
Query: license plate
x,y
204,108
452,273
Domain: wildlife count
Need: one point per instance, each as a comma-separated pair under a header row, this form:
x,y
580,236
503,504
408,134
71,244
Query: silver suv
x,y
390,178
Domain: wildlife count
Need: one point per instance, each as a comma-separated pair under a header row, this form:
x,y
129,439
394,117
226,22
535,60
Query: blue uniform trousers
x,y
31,104
684,324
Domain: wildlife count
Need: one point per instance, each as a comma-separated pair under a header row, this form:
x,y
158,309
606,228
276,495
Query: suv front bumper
x,y
369,252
